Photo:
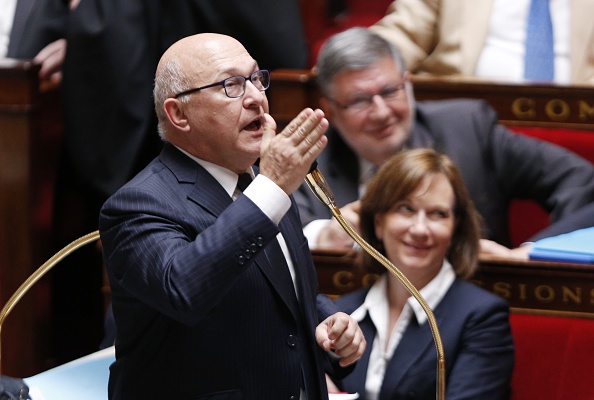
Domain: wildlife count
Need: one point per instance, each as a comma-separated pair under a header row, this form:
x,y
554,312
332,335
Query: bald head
x,y
190,62
201,52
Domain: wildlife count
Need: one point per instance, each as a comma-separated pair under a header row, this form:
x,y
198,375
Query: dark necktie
x,y
244,180
540,56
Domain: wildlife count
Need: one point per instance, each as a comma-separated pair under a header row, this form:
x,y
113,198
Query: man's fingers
x,y
306,130
294,125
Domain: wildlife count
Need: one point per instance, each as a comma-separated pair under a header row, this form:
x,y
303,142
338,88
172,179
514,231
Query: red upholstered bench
x,y
553,357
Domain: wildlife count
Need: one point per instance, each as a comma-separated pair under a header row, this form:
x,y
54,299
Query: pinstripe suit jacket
x,y
200,310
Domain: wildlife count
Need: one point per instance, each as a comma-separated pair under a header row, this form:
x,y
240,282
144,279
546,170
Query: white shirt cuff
x,y
269,198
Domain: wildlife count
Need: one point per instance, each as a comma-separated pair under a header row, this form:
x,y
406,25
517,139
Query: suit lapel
x,y
416,342
280,278
343,171
205,189
210,195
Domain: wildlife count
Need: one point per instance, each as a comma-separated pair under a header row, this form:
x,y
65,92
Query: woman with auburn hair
x,y
417,213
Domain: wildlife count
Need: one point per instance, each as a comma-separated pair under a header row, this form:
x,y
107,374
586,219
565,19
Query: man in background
x,y
368,99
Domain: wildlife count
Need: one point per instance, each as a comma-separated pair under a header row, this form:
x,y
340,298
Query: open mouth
x,y
254,126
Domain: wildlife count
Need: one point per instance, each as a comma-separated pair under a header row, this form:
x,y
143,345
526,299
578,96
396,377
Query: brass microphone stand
x,y
316,182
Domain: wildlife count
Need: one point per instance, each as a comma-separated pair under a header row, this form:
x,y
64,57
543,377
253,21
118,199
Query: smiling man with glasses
x,y
367,96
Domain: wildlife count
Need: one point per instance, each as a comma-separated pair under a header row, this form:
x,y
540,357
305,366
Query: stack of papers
x,y
576,246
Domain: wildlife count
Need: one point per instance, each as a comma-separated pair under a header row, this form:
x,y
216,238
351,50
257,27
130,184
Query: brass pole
x,y
35,276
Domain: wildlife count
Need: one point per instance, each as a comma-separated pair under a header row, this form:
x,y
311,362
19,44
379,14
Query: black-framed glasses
x,y
235,85
363,101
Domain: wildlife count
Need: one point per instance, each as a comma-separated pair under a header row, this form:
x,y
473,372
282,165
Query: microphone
x,y
318,185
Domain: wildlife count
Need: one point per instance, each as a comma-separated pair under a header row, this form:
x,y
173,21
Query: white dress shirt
x,y
7,9
376,305
504,48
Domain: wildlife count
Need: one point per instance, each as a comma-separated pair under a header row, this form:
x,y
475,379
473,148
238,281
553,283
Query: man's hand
x,y
334,235
341,333
495,249
51,58
287,157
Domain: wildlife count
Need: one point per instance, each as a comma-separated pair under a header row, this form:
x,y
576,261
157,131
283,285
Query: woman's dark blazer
x,y
478,345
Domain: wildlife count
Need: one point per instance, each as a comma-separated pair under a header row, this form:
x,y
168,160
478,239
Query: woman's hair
x,y
399,177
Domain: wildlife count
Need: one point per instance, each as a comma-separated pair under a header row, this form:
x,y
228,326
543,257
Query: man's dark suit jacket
x,y
200,309
478,345
497,166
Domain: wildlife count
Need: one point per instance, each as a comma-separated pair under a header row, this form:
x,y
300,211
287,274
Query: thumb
x,y
323,333
269,129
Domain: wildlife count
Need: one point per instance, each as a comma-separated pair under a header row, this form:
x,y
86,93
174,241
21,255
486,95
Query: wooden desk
x,y
529,286
533,105
30,133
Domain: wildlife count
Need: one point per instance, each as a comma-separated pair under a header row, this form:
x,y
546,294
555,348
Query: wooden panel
x,y
529,286
30,130
534,105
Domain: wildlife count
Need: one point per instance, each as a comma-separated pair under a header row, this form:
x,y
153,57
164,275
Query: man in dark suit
x,y
109,122
368,99
213,288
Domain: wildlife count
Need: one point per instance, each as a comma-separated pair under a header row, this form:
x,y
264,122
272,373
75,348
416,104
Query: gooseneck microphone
x,y
318,185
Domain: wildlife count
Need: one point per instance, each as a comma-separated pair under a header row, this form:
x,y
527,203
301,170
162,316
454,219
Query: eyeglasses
x,y
235,85
362,102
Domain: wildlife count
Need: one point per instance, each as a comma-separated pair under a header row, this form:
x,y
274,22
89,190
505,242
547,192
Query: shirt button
x,y
292,341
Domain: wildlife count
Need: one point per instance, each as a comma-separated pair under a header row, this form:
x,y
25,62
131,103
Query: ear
x,y
326,106
378,223
176,115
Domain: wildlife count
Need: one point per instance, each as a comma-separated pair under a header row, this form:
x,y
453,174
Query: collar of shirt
x,y
270,198
227,178
376,305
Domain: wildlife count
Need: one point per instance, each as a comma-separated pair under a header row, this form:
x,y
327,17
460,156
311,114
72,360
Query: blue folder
x,y
576,246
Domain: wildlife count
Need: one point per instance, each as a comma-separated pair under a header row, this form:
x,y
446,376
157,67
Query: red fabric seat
x,y
553,357
358,13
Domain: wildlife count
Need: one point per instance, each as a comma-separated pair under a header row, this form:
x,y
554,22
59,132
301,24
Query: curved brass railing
x,y
319,186
35,276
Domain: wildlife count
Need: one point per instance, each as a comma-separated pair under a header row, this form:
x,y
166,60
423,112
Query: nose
x,y
379,107
253,96
419,224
